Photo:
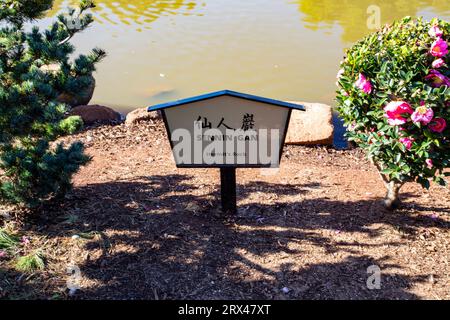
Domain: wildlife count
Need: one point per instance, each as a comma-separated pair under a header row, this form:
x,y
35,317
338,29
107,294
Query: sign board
x,y
227,129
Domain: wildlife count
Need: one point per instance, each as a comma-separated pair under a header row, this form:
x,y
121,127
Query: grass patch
x,y
30,263
7,241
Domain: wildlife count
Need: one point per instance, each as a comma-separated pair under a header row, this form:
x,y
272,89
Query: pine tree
x,y
33,168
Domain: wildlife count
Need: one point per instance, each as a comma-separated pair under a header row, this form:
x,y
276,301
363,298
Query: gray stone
x,y
311,127
140,115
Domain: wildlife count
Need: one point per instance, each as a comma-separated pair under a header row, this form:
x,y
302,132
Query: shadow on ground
x,y
152,247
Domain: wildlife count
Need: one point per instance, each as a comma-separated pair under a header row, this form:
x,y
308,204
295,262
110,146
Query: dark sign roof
x,y
226,93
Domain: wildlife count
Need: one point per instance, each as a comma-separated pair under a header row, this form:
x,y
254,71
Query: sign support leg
x,y
228,190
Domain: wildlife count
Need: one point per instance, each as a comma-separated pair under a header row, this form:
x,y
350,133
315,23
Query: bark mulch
x,y
136,227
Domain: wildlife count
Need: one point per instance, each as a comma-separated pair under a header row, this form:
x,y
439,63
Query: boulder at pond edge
x,y
311,127
140,115
92,114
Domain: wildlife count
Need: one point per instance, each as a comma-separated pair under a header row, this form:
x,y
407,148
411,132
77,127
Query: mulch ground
x,y
139,228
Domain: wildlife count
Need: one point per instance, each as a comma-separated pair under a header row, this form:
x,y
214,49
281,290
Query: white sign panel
x,y
227,129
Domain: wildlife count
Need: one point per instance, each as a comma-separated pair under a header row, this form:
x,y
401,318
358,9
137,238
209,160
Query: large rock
x,y
311,127
95,114
80,99
140,115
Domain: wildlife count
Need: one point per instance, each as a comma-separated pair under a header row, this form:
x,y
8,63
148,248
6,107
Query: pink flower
x,y
439,48
340,73
3,254
423,115
435,32
437,125
438,63
364,84
352,126
25,241
407,142
437,79
429,163
395,112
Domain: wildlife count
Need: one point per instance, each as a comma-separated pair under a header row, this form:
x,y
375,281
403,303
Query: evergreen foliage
x,y
35,68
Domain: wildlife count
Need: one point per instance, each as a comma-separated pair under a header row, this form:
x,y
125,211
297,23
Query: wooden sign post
x,y
228,190
227,130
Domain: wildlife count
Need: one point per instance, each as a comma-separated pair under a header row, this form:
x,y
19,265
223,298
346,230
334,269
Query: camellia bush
x,y
394,96
36,67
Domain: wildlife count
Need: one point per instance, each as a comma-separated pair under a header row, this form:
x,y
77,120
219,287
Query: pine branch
x,y
32,171
18,12
76,21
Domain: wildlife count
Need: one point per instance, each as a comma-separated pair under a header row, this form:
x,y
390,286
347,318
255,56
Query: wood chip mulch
x,y
136,227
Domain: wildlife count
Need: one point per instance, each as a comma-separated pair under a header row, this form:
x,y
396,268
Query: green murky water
x,y
162,50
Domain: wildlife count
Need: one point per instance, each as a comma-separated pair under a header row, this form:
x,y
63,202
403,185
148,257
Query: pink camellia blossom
x,y
439,48
407,142
429,163
438,63
437,125
352,126
395,112
364,84
423,115
435,32
25,240
437,79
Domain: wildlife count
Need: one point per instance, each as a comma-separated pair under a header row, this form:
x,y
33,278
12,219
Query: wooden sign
x,y
227,130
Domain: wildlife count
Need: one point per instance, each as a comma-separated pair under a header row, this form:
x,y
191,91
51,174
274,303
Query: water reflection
x,y
351,15
140,12
162,50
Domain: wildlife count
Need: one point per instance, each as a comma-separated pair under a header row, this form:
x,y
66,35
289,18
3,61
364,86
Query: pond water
x,y
162,50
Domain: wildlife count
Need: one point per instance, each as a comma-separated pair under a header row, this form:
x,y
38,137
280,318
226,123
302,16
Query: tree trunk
x,y
392,200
